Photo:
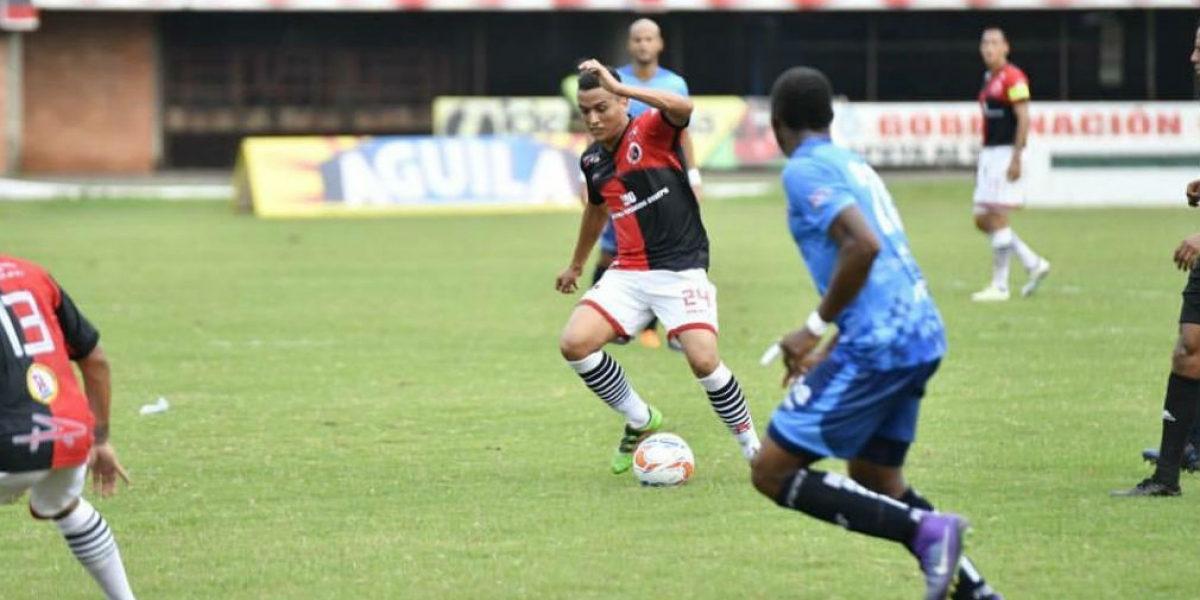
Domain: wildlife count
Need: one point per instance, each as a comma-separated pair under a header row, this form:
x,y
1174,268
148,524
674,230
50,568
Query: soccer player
x,y
635,172
645,46
1181,408
857,396
51,431
999,186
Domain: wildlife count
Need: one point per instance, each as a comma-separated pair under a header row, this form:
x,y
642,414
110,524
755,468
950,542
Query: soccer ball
x,y
663,459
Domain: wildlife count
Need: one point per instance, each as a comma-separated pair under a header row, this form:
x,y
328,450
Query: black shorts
x,y
1190,313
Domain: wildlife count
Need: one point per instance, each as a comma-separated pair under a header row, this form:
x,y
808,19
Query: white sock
x,y
729,402
93,544
607,380
1002,245
1029,259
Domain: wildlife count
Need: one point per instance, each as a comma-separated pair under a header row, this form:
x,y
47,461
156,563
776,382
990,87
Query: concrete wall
x,y
90,94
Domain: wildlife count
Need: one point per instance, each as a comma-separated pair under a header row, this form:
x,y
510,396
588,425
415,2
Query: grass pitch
x,y
377,409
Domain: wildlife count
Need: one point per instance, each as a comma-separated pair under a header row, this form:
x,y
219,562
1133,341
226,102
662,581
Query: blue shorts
x,y
843,410
608,239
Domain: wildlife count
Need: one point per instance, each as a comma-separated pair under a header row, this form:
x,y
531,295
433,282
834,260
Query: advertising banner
x,y
347,176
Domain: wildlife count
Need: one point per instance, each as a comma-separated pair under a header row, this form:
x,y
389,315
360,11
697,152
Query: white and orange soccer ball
x,y
663,459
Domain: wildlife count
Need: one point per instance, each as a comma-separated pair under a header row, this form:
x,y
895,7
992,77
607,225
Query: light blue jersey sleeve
x,y
816,194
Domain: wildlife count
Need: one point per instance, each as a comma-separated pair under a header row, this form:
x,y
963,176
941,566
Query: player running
x,y
645,46
635,172
51,431
1181,408
999,185
856,398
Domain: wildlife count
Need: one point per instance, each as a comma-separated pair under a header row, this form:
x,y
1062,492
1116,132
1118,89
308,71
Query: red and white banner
x,y
603,5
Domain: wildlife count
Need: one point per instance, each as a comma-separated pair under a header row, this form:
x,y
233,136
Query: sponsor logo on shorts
x,y
42,383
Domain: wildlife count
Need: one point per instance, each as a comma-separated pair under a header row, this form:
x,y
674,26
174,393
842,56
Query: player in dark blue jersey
x,y
857,397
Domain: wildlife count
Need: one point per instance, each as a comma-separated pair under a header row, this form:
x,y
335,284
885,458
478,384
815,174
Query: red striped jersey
x,y
644,183
1000,92
45,420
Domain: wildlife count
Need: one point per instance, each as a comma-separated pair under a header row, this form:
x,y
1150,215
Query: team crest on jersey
x,y
818,197
42,383
634,154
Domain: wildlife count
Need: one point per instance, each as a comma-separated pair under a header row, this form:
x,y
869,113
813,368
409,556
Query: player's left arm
x,y
676,109
689,149
1018,95
83,347
857,247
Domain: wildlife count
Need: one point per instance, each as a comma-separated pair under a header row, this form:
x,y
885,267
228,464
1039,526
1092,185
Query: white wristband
x,y
816,325
694,176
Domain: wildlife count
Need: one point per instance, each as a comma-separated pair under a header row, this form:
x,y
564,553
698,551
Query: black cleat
x,y
1147,488
1191,460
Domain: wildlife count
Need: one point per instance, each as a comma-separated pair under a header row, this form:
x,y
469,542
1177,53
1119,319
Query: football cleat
x,y
938,545
1146,489
1191,459
623,459
991,293
1035,278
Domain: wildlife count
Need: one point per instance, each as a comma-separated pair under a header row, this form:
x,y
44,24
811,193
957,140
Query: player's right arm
x,y
677,109
590,227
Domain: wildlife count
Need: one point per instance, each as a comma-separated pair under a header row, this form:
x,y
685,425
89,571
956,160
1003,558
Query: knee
x,y
981,224
1186,361
769,482
574,347
704,363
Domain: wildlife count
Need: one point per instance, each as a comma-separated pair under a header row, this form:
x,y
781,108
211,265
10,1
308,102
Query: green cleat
x,y
623,459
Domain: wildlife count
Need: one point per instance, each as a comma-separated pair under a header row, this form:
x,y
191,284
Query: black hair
x,y
591,81
802,98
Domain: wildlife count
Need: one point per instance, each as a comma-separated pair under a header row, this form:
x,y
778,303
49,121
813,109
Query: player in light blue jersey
x,y
645,45
857,397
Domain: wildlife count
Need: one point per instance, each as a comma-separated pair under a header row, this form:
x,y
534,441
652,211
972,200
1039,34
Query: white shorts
x,y
993,190
682,300
50,491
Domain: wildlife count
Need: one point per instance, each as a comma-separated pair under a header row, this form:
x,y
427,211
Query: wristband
x,y
816,325
100,434
694,176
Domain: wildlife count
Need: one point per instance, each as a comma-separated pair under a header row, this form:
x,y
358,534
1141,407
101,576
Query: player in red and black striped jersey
x,y
636,172
51,429
1000,185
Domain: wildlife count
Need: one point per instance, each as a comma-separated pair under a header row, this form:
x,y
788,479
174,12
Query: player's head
x,y
645,42
993,46
801,102
604,113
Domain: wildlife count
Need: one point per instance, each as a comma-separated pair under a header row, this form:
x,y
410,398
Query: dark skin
x,y
1185,359
857,247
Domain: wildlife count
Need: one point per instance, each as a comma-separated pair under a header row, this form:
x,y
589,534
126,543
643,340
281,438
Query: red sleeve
x,y
658,128
1016,85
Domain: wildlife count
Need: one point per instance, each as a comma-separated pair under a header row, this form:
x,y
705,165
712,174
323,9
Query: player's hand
x,y
1193,193
105,467
1014,169
607,81
1187,252
799,354
568,280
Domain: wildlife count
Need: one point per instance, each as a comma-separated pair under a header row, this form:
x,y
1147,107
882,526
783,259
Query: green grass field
x,y
377,409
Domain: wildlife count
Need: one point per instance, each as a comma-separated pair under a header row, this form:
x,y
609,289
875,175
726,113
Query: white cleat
x,y
991,293
1035,278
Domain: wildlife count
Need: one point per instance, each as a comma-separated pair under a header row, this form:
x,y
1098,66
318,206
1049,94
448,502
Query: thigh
x,y
682,300
619,298
57,490
13,485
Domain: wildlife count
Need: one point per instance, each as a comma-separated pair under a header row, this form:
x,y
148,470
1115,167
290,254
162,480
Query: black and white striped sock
x,y
607,379
92,542
727,399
